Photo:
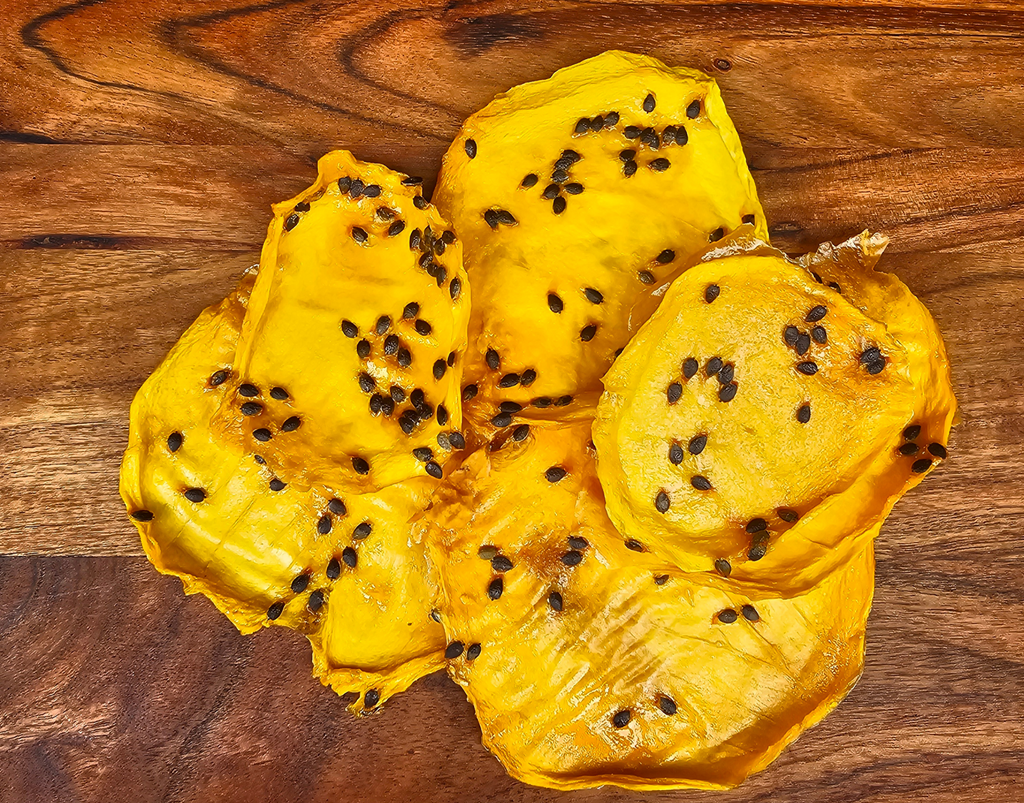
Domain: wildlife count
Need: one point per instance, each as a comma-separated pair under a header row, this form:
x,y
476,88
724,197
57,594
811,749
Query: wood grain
x,y
141,144
112,681
398,78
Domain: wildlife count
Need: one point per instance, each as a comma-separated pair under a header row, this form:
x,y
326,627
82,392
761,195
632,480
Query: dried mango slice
x,y
575,196
755,423
591,663
350,355
270,552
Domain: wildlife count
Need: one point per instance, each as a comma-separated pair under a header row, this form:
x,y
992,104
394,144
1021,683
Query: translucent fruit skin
x,y
840,472
244,545
316,281
632,631
615,229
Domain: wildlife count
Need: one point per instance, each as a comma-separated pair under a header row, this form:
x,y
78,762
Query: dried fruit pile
x,y
625,495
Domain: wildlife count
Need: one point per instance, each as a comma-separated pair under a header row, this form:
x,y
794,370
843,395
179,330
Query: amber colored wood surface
x,y
141,144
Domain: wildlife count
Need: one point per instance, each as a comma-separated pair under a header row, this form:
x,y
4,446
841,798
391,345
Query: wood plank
x,y
214,197
925,200
111,680
143,197
306,77
80,335
141,144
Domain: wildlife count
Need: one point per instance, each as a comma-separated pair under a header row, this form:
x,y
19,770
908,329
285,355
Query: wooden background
x,y
141,142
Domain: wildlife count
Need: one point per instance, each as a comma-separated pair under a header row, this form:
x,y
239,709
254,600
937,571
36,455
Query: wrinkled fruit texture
x,y
598,664
257,530
377,635
359,314
755,423
243,566
575,197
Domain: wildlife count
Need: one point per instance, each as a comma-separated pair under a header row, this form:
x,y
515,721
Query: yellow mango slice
x,y
754,424
337,566
350,355
589,662
574,197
